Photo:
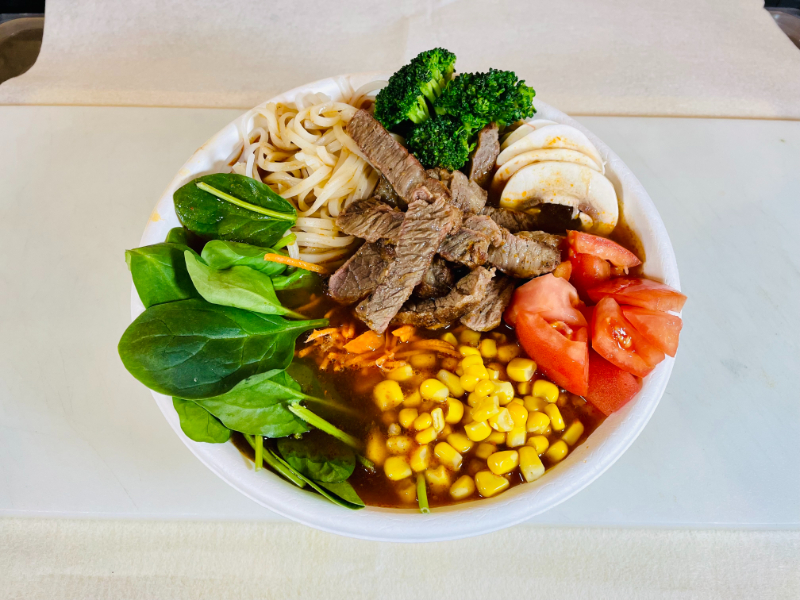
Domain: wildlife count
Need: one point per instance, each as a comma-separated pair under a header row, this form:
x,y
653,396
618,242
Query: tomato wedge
x,y
659,328
610,388
586,243
640,292
551,297
616,340
588,271
564,361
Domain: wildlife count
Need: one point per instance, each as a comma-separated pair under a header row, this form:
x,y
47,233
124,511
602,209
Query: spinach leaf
x,y
299,279
237,217
240,287
346,492
159,273
177,235
258,405
220,254
319,457
194,349
198,424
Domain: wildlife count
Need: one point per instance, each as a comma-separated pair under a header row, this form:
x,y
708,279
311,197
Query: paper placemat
x,y
721,58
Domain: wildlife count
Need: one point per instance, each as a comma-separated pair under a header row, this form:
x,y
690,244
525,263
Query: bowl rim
x,y
581,467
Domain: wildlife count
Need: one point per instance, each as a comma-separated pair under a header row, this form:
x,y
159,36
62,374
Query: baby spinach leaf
x,y
240,287
211,216
177,235
221,254
258,405
159,273
346,492
299,279
319,457
198,424
194,349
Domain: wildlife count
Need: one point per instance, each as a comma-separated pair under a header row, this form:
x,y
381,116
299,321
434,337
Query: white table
x,y
79,436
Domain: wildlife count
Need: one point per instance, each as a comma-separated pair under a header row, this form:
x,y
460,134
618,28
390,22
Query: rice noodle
x,y
301,150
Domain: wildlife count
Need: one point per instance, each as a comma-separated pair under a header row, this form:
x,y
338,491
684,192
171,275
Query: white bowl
x,y
585,464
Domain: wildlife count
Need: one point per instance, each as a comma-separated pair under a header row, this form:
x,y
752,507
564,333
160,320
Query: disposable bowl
x,y
583,465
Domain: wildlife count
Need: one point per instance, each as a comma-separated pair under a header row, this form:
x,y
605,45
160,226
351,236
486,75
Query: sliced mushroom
x,y
504,173
551,137
523,130
570,184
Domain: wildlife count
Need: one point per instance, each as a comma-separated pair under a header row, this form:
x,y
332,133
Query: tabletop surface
x,y
79,436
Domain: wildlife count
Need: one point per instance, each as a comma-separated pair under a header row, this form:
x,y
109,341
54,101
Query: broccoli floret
x,y
482,98
404,98
441,142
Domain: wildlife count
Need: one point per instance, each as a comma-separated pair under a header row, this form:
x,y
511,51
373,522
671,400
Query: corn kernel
x,y
420,458
452,382
469,337
496,437
413,400
556,420
423,421
502,421
475,465
538,443
546,390
394,429
530,465
488,348
433,389
478,371
464,487
494,375
469,382
460,442
524,388
407,416
505,390
403,373
516,437
518,401
439,478
486,409
538,422
562,400
501,370
450,363
521,369
471,360
376,447
468,351
448,456
489,484
449,338
519,414
573,433
426,436
397,468
557,451
387,394
437,418
485,450
534,404
504,462
477,431
448,429
474,399
455,411
399,444
500,338
407,491
508,352
424,360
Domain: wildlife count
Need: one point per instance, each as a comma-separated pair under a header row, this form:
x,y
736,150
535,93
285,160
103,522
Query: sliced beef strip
x,y
371,219
442,175
356,278
527,254
489,314
467,195
465,246
552,218
485,226
384,191
404,172
440,312
437,281
424,228
483,160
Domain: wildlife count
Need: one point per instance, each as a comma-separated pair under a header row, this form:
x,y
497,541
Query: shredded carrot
x,y
324,364
311,304
362,359
306,351
366,341
295,262
405,332
320,332
437,345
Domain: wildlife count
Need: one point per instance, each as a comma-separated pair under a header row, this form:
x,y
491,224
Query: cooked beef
x,y
437,281
401,169
385,192
442,175
485,226
552,218
482,166
440,312
424,228
527,254
467,195
371,220
489,314
356,278
465,246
